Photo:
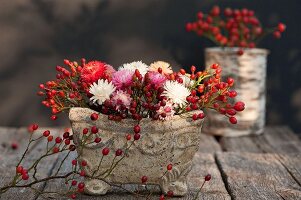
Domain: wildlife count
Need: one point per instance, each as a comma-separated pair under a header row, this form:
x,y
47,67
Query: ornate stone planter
x,y
249,73
162,142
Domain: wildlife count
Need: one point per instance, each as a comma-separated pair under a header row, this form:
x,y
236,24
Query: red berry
x,y
25,176
56,150
208,177
105,151
94,129
170,193
277,34
137,128
97,140
35,127
162,197
94,116
67,142
233,120
182,71
239,106
84,163
66,135
240,52
73,183
144,179
160,70
128,136
58,140
169,167
194,116
46,133
118,152
192,68
136,136
201,115
74,162
232,93
73,196
230,81
81,185
19,169
50,138
231,112
53,117
281,27
14,145
85,131
82,173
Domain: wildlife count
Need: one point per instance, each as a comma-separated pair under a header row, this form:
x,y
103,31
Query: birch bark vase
x,y
162,142
249,73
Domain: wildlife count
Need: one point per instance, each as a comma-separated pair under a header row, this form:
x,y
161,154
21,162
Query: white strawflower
x,y
176,92
142,67
101,91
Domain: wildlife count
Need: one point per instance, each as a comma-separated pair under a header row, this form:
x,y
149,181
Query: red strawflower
x,y
92,71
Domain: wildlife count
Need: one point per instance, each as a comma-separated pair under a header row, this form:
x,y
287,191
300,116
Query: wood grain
x,y
257,176
274,140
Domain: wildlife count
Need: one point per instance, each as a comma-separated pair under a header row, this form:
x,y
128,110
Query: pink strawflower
x,y
122,78
120,98
109,70
156,78
168,109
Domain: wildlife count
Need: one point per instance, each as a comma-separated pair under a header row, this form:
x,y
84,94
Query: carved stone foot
x,y
179,188
96,187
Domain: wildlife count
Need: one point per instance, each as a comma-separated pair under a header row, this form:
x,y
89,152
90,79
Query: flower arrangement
x,y
134,91
235,28
138,91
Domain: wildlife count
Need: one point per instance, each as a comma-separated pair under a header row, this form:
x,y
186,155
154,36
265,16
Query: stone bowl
x,y
162,142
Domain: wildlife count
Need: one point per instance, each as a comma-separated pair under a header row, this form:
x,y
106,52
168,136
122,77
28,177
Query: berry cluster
x,y
235,28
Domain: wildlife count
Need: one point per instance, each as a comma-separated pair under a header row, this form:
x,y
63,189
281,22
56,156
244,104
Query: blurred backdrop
x,y
36,35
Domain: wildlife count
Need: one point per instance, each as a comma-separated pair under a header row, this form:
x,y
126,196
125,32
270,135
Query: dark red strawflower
x,y
92,71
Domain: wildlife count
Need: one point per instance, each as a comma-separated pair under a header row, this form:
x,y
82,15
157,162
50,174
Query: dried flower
x,y
121,97
92,71
101,91
122,78
176,92
166,68
143,68
156,78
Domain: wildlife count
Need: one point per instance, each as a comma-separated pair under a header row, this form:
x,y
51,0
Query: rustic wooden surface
x,y
251,167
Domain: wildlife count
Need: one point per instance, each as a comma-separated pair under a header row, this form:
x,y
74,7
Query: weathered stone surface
x,y
249,73
162,142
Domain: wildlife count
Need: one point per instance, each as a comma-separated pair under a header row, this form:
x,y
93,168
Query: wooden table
x,y
252,167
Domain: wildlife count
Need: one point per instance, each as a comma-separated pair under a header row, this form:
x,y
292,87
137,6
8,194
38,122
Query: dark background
x,y
36,35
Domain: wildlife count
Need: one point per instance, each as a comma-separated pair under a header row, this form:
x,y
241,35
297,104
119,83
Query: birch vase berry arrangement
x,y
236,34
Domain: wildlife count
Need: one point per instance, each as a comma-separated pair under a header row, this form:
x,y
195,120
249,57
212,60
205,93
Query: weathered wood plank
x,y
257,176
209,144
8,163
203,164
292,163
274,140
